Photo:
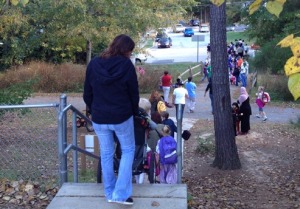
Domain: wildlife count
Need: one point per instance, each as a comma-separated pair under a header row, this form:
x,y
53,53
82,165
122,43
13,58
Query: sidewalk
x,y
203,109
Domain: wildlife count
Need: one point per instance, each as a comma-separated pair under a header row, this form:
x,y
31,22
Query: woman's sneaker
x,y
258,116
129,201
265,118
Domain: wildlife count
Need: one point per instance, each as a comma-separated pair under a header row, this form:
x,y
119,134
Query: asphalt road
x,y
184,49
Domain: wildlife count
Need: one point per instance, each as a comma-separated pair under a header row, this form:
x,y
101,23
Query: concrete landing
x,y
145,196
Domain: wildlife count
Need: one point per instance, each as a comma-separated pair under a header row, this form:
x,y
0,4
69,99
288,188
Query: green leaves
x,y
275,7
217,2
294,85
254,6
16,2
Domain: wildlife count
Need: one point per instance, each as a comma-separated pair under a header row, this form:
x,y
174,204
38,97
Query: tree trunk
x,y
226,154
88,51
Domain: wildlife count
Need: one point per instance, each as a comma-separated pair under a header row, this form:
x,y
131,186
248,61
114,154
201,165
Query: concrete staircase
x,y
145,196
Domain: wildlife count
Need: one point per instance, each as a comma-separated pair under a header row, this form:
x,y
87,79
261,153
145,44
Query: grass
x,y
231,36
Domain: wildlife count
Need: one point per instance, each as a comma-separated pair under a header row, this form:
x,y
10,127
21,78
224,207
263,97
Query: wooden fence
x,y
191,72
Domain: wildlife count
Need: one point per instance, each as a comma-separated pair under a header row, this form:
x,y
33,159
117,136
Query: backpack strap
x,y
159,134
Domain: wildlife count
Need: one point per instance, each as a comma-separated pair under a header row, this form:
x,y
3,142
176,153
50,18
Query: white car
x,y
203,28
138,58
179,28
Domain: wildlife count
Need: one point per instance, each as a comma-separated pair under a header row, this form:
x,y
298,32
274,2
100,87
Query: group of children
x,y
261,101
160,140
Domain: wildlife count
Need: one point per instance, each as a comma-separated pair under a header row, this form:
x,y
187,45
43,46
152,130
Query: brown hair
x,y
122,45
155,96
164,114
155,116
166,130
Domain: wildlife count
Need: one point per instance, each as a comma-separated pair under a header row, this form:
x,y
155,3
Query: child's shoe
x,y
265,118
257,115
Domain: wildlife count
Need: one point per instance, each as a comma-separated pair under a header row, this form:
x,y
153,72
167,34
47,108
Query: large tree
x,y
226,154
61,29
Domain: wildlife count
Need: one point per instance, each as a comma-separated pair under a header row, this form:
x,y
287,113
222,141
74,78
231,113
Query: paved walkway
x,y
202,111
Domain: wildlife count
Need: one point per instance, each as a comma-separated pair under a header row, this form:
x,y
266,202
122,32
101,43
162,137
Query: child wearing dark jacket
x,y
167,121
235,117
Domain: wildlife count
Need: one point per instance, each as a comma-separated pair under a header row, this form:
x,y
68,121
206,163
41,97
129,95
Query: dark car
x,y
194,22
164,42
159,35
188,32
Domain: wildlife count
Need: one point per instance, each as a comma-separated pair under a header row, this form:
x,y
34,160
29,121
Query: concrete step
x,y
145,196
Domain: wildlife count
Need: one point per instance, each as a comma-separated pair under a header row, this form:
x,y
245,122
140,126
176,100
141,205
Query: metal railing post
x,y
179,113
62,142
75,152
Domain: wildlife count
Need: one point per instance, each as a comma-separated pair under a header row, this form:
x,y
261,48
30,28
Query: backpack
x,y
161,106
142,119
168,150
266,97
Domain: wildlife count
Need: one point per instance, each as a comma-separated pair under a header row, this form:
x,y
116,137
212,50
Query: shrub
x,y
296,123
49,78
206,145
16,93
276,86
149,80
271,58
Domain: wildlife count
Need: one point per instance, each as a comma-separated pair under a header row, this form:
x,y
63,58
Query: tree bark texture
x,y
226,154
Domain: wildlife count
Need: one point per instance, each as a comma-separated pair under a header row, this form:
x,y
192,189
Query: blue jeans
x,y
117,189
243,79
237,79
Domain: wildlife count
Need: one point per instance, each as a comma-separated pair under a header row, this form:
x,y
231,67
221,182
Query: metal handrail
x,y
28,106
63,147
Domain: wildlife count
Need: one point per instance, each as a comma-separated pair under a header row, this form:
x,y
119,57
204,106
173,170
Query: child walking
x,y
260,103
166,148
191,89
168,121
235,117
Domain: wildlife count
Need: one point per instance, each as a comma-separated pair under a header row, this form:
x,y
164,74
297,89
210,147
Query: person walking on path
x,y
244,72
260,103
179,96
166,83
245,111
237,70
191,89
205,73
209,88
112,94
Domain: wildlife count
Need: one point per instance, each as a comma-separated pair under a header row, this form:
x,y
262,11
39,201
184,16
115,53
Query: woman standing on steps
x,y
111,92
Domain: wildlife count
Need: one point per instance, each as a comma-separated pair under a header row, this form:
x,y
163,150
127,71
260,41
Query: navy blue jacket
x,y
111,90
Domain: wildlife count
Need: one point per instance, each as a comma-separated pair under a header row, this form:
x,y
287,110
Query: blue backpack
x,y
167,150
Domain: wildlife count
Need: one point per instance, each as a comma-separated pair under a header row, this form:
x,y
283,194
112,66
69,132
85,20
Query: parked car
x,y
194,22
203,28
188,32
178,28
230,28
140,58
159,35
162,30
164,42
